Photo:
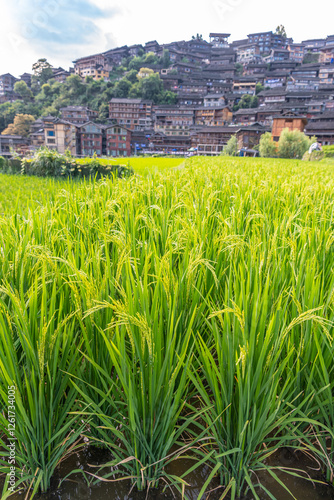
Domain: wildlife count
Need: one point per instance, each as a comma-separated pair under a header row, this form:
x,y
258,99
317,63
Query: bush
x,y
328,151
10,166
231,148
293,144
50,163
267,147
314,156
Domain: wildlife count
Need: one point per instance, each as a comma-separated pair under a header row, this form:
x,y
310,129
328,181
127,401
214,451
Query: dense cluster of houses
x,y
209,79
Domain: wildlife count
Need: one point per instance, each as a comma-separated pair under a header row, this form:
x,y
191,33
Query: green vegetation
x,y
47,95
50,163
267,147
231,148
247,101
292,144
189,311
328,151
20,126
311,57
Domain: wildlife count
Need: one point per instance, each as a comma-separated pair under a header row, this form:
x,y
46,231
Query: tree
x,y
165,58
20,126
122,88
247,101
151,88
168,97
131,76
280,30
239,68
74,86
292,144
144,73
41,65
197,37
136,63
103,112
22,89
42,73
311,57
258,88
267,147
151,58
231,148
254,101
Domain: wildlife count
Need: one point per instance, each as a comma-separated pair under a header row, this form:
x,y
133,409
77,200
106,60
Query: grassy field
x,y
185,312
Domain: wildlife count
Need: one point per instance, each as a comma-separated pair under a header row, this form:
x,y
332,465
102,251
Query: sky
x,y
63,30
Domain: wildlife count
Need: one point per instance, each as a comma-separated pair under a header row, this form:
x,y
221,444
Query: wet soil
x,y
76,488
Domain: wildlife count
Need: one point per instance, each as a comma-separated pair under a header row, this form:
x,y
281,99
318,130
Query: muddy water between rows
x,y
76,488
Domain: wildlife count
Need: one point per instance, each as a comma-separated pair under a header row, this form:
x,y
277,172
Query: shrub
x,y
293,144
50,163
314,156
267,147
328,151
231,148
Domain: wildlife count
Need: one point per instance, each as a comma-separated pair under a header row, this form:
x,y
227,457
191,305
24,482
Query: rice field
x,y
142,165
187,312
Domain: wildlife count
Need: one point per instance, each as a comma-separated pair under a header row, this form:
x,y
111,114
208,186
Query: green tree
x,y
267,147
135,91
165,58
136,63
311,57
73,87
22,89
239,68
280,30
151,58
103,112
42,73
254,102
247,101
122,88
168,97
151,88
132,76
231,148
258,88
292,144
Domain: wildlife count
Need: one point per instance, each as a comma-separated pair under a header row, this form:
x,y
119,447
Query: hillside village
x,y
209,91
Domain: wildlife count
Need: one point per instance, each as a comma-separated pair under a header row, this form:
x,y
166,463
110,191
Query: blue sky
x,y
62,30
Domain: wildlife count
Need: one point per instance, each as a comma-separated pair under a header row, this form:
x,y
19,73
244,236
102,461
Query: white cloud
x,y
63,30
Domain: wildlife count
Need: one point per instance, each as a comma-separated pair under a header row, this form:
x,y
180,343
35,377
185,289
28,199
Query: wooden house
x,y
288,120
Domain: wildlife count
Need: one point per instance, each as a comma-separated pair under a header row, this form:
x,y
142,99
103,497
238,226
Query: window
x,y
51,133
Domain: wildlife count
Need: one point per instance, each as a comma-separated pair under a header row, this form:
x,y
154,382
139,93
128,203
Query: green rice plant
x,y
144,388
211,280
37,347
